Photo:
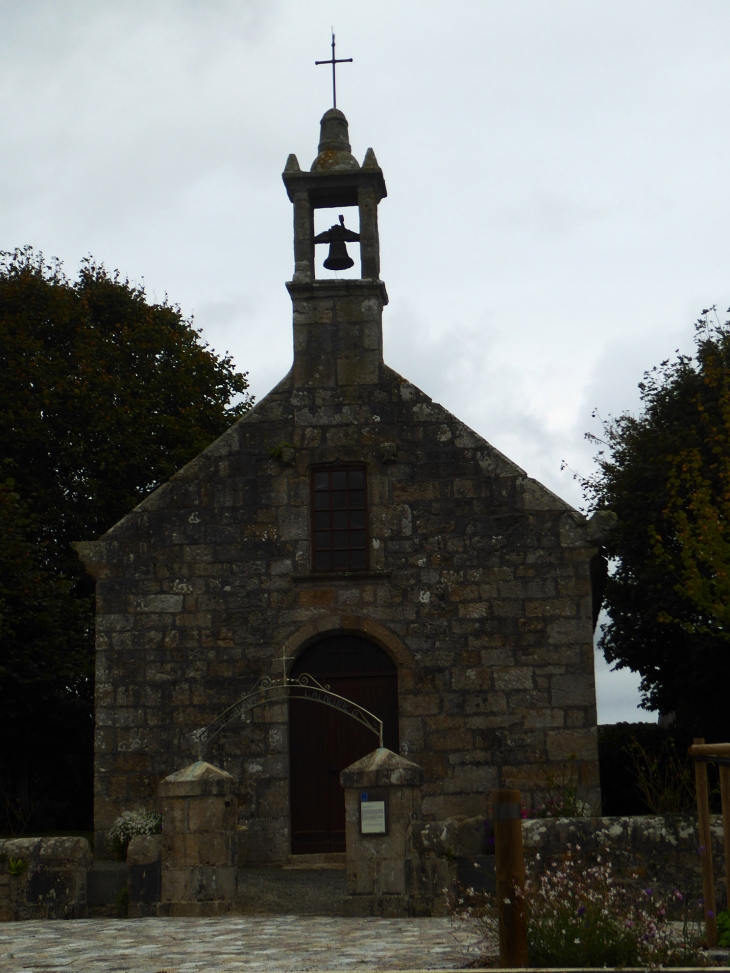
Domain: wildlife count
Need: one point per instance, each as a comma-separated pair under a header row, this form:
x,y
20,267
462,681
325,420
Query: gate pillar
x,y
199,823
382,801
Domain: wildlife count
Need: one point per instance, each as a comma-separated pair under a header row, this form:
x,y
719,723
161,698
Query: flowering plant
x,y
578,915
131,823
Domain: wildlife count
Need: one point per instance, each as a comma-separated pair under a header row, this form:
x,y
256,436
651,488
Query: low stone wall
x,y
446,853
661,853
48,877
44,878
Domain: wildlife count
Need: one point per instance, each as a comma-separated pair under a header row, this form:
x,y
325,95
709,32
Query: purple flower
x,y
581,910
710,914
703,848
648,892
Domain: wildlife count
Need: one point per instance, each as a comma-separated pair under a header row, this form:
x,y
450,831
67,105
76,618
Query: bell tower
x,y
338,338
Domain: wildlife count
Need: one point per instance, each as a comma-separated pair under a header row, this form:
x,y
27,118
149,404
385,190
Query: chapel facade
x,y
351,530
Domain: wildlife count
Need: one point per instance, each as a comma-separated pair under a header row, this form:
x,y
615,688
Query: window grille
x,y
339,519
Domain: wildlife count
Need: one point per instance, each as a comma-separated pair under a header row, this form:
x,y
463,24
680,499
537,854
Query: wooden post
x,y
703,820
510,872
725,795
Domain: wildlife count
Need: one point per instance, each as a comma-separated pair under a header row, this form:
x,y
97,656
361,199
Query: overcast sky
x,y
557,173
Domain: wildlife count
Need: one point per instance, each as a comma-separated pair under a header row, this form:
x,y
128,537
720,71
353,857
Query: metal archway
x,y
268,690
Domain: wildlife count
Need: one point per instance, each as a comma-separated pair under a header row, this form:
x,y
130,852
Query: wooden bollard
x,y
725,797
718,753
703,821
510,873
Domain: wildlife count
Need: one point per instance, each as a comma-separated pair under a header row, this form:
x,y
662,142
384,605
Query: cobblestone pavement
x,y
252,943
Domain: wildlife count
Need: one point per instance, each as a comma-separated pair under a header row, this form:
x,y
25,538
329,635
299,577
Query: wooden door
x,y
323,741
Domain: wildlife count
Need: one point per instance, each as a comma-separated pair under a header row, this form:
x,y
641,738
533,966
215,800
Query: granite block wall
x,y
44,878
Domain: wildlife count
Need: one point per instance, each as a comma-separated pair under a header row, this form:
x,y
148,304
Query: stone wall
x,y
661,853
478,587
44,878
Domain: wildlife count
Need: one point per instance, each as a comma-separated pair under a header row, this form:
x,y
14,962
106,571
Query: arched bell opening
x,y
323,740
334,236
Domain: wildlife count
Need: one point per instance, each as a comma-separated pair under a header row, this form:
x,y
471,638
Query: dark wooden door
x,y
323,741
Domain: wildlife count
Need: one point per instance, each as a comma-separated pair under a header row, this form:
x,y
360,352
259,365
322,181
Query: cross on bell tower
x,y
334,61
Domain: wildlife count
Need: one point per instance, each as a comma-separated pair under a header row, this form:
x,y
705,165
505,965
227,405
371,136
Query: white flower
x,y
131,823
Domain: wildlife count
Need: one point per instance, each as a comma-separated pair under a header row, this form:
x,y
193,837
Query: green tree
x,y
103,396
45,676
666,474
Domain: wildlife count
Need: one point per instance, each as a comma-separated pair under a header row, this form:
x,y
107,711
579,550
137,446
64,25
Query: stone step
x,y
317,890
104,883
332,859
303,885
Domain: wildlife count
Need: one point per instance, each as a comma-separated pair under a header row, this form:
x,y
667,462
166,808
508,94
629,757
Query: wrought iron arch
x,y
268,690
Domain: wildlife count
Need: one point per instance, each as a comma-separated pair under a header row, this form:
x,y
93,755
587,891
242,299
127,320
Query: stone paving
x,y
225,945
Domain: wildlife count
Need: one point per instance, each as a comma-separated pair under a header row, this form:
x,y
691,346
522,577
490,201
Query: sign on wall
x,y
373,817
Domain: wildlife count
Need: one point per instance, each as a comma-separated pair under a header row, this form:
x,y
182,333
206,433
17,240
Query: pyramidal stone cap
x,y
335,151
200,770
197,779
382,768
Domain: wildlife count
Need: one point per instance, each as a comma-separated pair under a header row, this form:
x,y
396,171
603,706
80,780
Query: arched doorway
x,y
323,741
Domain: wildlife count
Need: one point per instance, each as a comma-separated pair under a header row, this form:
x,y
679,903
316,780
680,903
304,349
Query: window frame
x,y
331,468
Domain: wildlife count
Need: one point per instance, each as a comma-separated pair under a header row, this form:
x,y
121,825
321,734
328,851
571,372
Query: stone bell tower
x,y
338,338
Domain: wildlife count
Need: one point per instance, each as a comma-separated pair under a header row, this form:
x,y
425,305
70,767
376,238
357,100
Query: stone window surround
x,y
349,569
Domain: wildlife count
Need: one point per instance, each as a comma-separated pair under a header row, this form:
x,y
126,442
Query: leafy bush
x,y
122,902
559,794
131,823
664,777
723,928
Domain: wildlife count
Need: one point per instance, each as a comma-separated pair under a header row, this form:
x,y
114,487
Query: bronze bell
x,y
338,257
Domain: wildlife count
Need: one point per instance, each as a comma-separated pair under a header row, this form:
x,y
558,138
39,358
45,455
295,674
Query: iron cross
x,y
333,61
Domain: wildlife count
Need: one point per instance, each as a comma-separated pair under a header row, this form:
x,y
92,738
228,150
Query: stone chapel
x,y
351,529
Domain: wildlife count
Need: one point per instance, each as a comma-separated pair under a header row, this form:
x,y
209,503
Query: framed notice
x,y
373,818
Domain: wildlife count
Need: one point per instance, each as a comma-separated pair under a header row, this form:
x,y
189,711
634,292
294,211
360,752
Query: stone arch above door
x,y
332,624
